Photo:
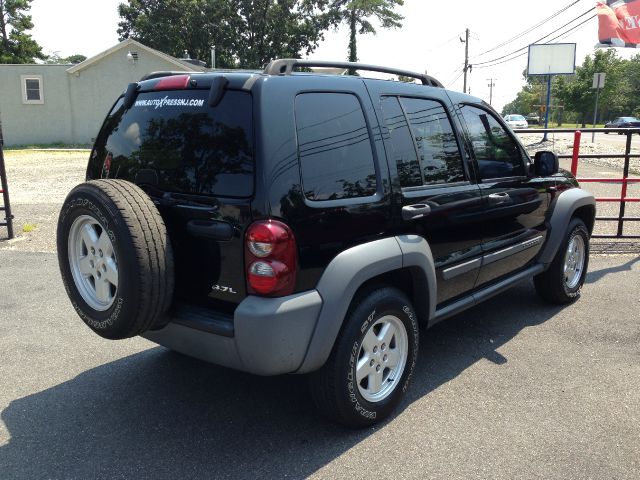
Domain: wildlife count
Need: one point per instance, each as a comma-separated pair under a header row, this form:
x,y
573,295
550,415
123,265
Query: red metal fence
x,y
624,181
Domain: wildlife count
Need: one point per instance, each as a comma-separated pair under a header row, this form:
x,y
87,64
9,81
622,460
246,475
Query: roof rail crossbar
x,y
285,66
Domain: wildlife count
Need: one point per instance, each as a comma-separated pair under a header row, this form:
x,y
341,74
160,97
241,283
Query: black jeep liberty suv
x,y
291,222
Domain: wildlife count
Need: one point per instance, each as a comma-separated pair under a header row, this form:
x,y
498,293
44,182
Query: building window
x,y
32,92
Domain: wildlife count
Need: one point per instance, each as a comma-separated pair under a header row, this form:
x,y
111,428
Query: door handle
x,y
499,198
412,212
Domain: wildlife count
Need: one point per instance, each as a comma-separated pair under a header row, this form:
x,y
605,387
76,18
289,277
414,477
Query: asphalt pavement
x,y
511,389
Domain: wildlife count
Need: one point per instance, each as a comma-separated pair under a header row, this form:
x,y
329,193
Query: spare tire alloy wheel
x,y
93,263
372,362
115,258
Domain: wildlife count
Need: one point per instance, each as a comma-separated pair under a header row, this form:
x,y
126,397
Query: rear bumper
x,y
270,335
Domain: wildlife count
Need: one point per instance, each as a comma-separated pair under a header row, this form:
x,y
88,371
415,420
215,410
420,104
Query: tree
x,y
356,14
246,33
620,95
268,29
56,59
578,95
17,46
402,78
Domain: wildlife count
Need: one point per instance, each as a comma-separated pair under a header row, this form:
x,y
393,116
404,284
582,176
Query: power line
x,y
455,79
563,34
530,29
536,41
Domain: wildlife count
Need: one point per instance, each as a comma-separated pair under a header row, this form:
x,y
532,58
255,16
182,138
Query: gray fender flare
x,y
564,207
351,269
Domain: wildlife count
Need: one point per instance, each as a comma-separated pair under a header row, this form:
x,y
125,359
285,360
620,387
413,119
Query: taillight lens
x,y
174,82
271,260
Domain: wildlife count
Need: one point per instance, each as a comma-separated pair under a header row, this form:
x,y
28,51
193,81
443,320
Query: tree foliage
x,y
16,45
619,97
56,59
358,15
246,33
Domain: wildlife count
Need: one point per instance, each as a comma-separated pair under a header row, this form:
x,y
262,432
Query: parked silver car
x,y
516,121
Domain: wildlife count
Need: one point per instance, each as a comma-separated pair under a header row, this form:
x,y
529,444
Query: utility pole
x,y
491,85
466,59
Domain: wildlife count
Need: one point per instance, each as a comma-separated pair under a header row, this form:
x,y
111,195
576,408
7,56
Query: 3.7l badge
x,y
223,289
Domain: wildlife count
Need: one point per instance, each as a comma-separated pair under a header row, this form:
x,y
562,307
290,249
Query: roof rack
x,y
285,66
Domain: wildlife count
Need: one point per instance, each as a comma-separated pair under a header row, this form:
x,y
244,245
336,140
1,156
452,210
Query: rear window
x,y
192,147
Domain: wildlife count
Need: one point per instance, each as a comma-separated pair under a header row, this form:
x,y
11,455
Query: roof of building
x,y
130,43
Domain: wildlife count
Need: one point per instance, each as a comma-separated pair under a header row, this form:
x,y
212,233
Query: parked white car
x,y
516,121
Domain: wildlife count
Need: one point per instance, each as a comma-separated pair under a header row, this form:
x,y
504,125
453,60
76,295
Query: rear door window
x,y
423,142
334,146
191,147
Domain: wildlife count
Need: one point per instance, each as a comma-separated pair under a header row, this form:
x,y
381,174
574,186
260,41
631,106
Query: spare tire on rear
x,y
115,258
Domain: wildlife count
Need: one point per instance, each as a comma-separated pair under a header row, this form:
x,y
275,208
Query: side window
x,y
423,143
403,150
437,146
496,151
334,146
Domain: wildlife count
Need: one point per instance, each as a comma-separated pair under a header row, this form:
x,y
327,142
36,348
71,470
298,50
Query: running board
x,y
484,293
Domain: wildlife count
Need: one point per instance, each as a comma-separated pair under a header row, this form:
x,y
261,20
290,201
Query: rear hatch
x,y
196,162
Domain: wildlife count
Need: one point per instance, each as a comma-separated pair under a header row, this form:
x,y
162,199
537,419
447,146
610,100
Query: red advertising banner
x,y
619,23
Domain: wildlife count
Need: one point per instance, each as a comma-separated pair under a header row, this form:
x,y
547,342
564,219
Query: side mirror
x,y
546,163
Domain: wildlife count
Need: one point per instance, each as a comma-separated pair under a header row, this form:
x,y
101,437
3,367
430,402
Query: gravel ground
x,y
39,180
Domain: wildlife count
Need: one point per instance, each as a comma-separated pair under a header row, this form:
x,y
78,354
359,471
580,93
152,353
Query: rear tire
x,y
372,361
115,258
562,281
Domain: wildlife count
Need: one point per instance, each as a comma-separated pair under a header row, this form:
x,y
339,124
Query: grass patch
x,y
29,227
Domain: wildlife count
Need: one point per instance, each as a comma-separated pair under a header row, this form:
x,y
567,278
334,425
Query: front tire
x,y
372,361
562,282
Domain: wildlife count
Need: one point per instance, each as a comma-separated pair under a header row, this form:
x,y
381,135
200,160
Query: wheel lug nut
x,y
104,268
371,363
93,251
377,368
384,347
100,253
384,359
375,349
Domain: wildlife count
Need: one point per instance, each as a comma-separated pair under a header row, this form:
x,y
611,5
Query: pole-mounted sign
x,y
551,59
598,83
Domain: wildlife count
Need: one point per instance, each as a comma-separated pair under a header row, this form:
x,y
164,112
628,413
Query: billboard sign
x,y
552,59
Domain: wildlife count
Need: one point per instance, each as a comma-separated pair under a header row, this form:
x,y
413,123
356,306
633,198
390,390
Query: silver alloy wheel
x,y
382,358
93,263
574,259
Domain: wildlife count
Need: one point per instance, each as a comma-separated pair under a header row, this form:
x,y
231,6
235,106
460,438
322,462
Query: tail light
x,y
271,260
173,82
